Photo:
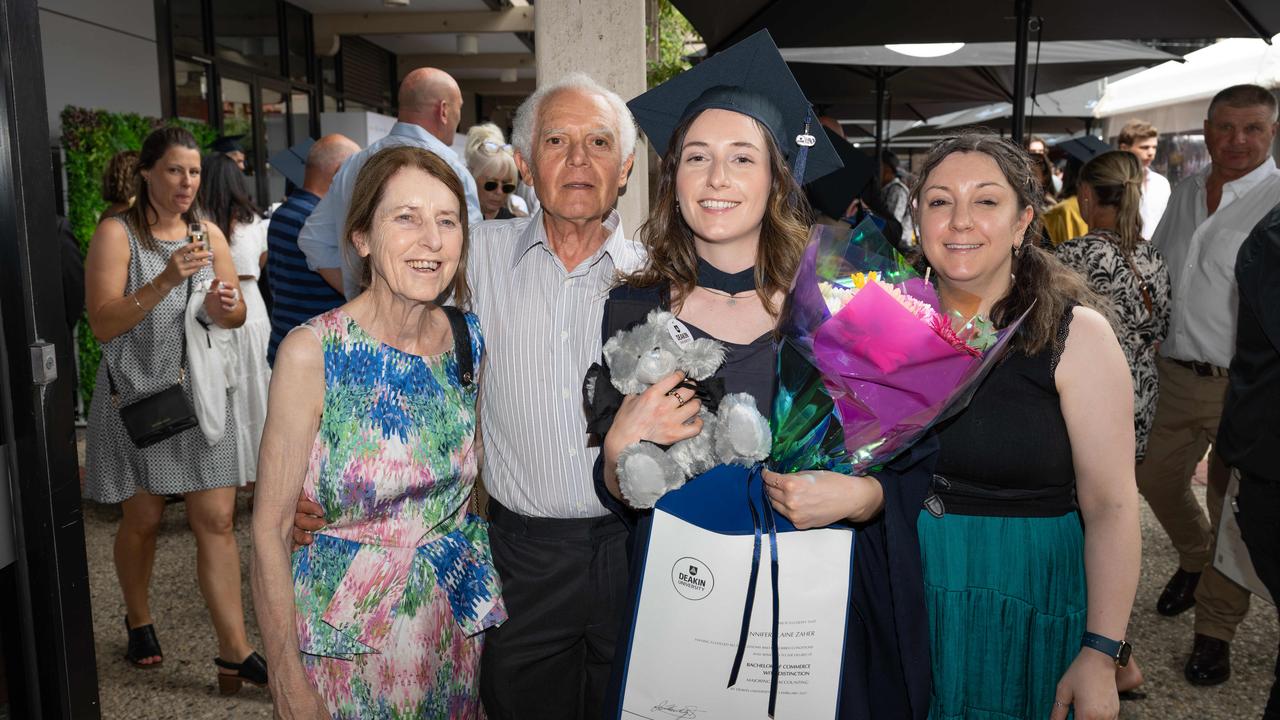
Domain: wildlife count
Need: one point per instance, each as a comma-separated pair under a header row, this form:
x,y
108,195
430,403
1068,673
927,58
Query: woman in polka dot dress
x,y
138,270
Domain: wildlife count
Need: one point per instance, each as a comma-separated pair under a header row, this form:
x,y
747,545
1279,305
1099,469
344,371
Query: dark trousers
x,y
1259,520
565,586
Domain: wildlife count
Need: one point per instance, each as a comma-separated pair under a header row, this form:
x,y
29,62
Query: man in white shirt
x,y
1207,219
1141,138
430,106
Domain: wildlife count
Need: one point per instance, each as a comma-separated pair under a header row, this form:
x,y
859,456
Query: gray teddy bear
x,y
735,433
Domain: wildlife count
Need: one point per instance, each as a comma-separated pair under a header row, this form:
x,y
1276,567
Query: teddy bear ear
x,y
658,316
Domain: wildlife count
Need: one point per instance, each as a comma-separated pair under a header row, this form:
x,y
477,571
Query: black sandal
x,y
252,670
143,644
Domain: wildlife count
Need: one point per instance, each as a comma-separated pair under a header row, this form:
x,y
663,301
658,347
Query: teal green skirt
x,y
1006,602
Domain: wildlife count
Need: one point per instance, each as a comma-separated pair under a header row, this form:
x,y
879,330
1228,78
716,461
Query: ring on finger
x,y
1059,703
680,401
187,256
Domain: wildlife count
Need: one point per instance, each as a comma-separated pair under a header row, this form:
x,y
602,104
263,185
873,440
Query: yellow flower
x,y
860,279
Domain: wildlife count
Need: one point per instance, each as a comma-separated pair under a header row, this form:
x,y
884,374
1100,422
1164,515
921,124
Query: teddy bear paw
x,y
645,473
742,435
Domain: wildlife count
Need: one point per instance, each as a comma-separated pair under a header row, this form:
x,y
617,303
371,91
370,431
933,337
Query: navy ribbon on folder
x,y
756,479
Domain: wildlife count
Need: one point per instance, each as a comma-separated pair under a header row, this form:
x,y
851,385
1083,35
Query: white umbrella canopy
x,y
1200,77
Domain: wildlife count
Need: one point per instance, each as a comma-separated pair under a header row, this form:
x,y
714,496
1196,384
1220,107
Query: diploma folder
x,y
697,624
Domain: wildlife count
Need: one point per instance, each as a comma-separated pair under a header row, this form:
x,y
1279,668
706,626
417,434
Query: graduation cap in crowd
x,y
749,78
832,194
292,162
1082,149
226,144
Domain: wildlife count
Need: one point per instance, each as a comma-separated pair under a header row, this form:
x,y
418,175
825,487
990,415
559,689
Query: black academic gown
x,y
887,672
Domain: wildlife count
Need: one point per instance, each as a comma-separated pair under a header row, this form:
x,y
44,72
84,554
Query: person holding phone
x,y
141,269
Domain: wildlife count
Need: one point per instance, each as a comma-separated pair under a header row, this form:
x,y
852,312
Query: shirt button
x,y
564,393
564,335
573,453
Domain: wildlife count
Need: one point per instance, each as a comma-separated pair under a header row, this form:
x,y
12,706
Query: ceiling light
x,y
396,3
468,44
926,50
508,75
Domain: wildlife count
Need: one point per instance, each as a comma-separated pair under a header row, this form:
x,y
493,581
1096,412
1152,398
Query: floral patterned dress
x,y
393,595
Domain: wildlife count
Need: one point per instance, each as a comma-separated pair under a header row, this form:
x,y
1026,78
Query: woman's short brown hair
x,y
370,186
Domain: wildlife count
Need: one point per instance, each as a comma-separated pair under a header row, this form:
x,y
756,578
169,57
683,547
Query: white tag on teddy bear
x,y
679,333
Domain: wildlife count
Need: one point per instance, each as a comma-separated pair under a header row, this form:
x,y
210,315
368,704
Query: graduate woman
x,y
724,238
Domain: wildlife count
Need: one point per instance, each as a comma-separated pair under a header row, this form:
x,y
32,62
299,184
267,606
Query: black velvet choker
x,y
713,278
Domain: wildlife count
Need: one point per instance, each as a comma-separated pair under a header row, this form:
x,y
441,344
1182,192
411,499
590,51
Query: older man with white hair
x,y
539,285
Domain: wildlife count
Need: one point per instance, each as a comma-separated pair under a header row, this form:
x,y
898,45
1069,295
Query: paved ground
x,y
185,686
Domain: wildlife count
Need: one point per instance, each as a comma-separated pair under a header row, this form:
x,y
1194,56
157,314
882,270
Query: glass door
x,y
274,101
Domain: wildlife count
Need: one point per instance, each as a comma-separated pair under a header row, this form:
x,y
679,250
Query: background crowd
x,y
1134,285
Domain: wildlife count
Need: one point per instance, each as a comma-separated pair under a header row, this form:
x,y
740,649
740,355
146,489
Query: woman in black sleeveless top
x,y
1030,539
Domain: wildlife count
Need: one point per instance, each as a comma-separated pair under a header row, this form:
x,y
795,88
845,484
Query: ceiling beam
x,y
454,61
523,86
328,27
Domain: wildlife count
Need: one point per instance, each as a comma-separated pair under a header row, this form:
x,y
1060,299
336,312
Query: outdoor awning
x,y
978,54
1200,77
918,93
835,23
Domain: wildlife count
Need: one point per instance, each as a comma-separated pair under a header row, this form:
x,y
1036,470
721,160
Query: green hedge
x,y
89,139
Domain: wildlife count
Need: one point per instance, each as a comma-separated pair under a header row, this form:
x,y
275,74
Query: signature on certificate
x,y
672,710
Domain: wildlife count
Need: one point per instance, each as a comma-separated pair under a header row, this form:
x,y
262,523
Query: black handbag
x,y
162,415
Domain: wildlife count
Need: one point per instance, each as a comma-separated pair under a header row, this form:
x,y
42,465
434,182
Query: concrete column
x,y
606,40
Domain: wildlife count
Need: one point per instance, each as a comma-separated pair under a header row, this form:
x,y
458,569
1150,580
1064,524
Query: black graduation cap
x,y
292,162
749,78
1082,149
226,144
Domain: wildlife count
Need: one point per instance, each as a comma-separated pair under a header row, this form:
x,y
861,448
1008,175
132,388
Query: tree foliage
x,y
674,33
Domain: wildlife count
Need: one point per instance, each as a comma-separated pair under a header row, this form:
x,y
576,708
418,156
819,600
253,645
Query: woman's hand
x,y
221,300
296,699
819,498
1090,685
663,414
183,263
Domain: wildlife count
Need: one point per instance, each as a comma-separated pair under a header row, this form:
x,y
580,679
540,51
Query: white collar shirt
x,y
1155,197
1200,251
541,324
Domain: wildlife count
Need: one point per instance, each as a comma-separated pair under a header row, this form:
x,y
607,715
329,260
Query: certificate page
x,y
690,616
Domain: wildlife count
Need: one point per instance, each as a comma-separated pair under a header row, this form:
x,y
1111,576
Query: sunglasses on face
x,y
507,188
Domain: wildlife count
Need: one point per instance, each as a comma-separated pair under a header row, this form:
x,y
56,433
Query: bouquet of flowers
x,y
869,360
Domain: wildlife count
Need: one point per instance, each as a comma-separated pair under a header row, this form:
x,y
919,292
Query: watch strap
x,y
1105,645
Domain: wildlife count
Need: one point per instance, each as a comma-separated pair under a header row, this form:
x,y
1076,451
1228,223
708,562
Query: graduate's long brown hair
x,y
673,258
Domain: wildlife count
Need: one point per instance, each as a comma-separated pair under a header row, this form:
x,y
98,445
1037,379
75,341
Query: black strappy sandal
x,y
252,670
143,644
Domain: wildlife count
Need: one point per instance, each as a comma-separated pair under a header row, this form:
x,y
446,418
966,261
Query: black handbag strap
x,y
461,344
182,361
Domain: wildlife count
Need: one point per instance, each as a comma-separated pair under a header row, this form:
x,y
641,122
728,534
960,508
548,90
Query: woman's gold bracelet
x,y
135,301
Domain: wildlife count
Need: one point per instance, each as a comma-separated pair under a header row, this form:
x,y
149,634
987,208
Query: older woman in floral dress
x,y
373,416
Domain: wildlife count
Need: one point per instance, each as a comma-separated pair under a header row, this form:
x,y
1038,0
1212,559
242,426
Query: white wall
x,y
99,54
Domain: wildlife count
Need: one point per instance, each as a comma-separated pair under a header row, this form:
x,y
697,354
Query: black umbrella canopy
x,y
917,93
819,23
